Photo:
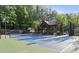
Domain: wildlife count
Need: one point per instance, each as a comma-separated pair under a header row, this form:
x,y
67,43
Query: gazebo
x,y
48,27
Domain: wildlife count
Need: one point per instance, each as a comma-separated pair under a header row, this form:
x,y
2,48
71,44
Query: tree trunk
x,y
71,29
61,29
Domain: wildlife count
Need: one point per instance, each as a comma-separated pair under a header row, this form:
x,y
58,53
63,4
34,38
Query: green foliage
x,y
61,18
8,13
35,24
77,34
24,16
61,29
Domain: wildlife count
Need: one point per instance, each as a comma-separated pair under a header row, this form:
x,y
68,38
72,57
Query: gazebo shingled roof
x,y
51,22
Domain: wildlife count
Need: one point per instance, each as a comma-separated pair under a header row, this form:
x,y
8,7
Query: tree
x,y
70,24
36,25
22,13
62,21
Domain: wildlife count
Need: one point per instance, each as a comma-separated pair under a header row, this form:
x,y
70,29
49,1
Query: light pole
x,y
0,29
4,20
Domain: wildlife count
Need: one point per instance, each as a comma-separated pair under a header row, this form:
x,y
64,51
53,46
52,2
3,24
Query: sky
x,y
64,8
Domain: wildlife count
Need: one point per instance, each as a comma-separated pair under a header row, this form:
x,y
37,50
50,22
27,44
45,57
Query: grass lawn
x,y
14,46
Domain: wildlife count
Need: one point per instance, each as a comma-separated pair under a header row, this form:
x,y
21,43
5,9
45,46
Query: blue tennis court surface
x,y
50,41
